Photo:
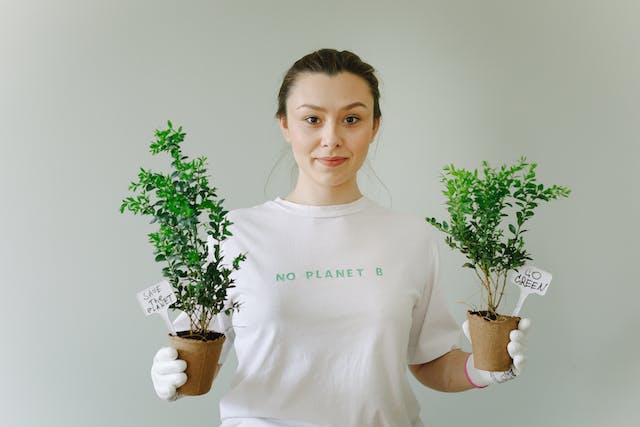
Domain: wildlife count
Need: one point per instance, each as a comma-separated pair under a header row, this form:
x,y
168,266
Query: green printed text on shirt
x,y
339,273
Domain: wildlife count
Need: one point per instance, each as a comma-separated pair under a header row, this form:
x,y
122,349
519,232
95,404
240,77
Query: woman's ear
x,y
376,127
284,128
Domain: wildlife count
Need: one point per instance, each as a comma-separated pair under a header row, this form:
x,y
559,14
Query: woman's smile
x,y
331,161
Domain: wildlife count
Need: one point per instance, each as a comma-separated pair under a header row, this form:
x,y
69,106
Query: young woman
x,y
339,295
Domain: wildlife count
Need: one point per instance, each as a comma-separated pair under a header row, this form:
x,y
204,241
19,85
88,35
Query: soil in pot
x,y
489,339
202,355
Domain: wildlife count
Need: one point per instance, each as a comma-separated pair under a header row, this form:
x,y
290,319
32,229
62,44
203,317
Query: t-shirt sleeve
x,y
434,331
220,323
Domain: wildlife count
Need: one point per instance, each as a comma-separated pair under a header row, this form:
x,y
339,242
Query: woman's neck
x,y
324,196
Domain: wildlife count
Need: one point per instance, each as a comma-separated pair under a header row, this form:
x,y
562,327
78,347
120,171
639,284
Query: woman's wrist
x,y
476,377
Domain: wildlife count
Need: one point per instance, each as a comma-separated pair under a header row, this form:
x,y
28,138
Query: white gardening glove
x,y
167,373
517,349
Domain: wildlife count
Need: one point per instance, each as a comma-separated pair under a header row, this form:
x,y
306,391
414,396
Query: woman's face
x,y
329,125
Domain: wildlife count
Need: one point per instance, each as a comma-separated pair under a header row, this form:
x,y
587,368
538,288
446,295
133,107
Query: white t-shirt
x,y
336,302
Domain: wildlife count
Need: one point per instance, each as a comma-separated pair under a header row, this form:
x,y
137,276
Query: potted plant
x,y
192,224
479,207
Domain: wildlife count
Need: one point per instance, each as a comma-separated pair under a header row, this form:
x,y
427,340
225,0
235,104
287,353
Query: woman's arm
x,y
446,373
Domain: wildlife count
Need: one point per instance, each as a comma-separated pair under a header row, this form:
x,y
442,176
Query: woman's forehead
x,y
330,91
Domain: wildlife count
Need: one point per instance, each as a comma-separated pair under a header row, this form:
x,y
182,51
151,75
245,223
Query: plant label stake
x,y
531,280
157,299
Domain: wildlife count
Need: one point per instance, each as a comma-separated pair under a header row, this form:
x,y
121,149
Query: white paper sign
x,y
530,280
157,299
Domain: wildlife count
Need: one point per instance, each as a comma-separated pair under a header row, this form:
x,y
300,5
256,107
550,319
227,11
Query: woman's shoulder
x,y
254,211
405,222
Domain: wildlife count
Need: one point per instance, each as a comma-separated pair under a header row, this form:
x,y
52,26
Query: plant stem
x,y
487,284
504,283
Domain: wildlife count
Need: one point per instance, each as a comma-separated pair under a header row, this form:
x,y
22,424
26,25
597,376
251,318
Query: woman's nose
x,y
330,137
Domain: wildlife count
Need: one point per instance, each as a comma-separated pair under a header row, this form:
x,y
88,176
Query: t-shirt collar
x,y
324,211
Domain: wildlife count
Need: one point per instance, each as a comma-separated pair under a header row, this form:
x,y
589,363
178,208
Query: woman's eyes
x,y
350,120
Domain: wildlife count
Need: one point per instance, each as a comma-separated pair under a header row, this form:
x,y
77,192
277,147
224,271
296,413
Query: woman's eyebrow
x,y
346,107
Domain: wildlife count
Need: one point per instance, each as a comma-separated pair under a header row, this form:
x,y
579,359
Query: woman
x,y
339,295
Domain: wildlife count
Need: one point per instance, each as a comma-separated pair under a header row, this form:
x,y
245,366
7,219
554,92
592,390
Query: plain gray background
x,y
83,85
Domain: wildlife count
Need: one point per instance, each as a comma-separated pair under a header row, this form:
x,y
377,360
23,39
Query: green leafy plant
x,y
479,206
187,210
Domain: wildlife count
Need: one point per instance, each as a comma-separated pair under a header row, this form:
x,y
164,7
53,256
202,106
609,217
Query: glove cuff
x,y
470,371
176,396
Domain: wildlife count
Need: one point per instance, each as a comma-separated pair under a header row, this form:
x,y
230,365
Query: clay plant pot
x,y
202,360
489,339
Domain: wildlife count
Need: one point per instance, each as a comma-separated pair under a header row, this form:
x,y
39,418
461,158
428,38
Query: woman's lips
x,y
332,161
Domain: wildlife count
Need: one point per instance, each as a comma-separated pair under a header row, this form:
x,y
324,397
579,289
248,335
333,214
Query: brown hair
x,y
331,62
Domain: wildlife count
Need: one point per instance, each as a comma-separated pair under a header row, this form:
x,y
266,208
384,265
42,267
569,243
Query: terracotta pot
x,y
202,360
489,339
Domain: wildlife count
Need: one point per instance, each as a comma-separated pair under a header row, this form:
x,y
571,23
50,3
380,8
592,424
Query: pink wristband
x,y
466,374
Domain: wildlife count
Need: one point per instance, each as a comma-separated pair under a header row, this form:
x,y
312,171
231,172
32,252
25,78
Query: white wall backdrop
x,y
83,85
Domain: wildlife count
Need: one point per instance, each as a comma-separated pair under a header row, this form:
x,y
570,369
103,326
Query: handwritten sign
x,y
530,280
157,299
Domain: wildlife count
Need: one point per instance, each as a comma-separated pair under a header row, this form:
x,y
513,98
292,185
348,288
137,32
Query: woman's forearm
x,y
446,373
